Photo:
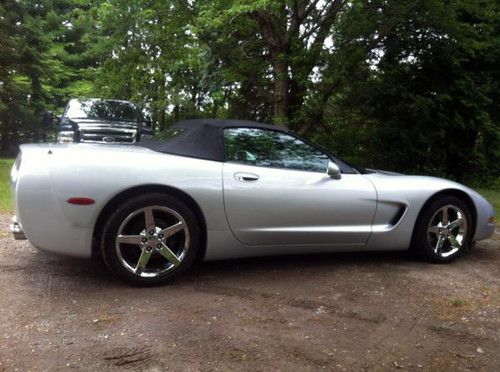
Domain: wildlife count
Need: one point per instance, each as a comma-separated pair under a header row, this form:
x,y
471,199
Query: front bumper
x,y
17,229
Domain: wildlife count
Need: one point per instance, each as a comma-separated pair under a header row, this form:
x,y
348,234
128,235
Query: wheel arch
x,y
460,194
111,205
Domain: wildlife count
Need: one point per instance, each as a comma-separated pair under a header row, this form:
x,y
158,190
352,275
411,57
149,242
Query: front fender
x,y
413,192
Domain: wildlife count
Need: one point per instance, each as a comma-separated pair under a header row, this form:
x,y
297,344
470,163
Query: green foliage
x,y
5,193
405,85
423,101
493,196
44,60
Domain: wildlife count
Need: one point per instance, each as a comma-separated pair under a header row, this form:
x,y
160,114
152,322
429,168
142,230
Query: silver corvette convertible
x,y
218,189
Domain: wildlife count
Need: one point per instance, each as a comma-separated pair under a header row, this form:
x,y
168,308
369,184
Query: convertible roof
x,y
202,138
218,123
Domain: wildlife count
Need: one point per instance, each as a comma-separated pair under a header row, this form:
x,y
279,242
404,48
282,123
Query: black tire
x,y
422,239
114,222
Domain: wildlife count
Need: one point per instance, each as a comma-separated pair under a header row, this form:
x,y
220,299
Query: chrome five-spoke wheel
x,y
151,238
444,229
160,245
447,230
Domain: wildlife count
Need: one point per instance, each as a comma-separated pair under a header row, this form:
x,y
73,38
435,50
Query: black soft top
x,y
202,138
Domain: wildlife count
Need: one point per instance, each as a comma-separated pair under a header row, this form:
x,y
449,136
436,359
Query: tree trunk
x,y
161,118
274,31
176,113
37,104
280,95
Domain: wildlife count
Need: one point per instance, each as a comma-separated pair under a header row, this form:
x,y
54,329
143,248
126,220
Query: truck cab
x,y
102,121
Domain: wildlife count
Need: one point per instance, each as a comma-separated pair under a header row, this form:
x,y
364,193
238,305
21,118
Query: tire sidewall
x,y
112,225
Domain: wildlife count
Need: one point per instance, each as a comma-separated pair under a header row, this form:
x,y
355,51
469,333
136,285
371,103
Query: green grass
x,y
493,197
5,195
459,302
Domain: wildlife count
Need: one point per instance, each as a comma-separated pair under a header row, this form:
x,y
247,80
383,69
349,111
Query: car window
x,y
96,109
269,148
168,134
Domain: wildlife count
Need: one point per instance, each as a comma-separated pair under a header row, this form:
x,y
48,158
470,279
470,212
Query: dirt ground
x,y
333,312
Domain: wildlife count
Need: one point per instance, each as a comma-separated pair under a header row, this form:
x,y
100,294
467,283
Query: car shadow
x,y
390,261
302,262
94,271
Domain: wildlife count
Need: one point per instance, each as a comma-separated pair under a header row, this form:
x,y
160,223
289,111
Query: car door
x,y
277,192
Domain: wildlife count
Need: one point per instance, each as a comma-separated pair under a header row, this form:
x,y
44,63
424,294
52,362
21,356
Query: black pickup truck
x,y
101,121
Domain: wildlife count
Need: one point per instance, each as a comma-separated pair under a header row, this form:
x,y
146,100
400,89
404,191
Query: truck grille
x,y
106,135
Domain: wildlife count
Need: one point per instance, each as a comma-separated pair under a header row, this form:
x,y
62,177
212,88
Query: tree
x,y
44,61
408,85
20,63
426,90
291,36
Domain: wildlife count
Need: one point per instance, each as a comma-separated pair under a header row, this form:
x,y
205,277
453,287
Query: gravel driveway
x,y
334,312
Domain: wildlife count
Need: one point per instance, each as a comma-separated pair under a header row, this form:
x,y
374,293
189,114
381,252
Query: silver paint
x,y
248,210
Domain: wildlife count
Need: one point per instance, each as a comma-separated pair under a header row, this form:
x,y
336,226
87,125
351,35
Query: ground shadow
x,y
95,270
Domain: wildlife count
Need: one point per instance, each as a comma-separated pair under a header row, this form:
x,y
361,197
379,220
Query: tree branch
x,y
269,31
325,22
299,13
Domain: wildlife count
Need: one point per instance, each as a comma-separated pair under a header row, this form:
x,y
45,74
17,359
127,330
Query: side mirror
x,y
333,170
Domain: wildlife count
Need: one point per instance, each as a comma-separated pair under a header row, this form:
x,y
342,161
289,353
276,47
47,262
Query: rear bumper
x,y
17,229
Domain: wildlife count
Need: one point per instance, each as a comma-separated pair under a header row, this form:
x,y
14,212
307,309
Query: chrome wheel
x,y
447,230
152,241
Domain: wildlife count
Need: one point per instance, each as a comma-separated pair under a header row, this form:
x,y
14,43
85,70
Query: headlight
x,y
66,137
146,137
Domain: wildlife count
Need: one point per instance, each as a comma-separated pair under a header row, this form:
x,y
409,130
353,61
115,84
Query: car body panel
x,y
380,210
52,174
287,207
412,192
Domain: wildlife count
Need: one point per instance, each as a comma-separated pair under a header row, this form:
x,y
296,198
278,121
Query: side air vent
x,y
398,215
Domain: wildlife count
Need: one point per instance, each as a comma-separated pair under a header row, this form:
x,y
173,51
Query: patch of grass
x,y
493,196
459,302
5,194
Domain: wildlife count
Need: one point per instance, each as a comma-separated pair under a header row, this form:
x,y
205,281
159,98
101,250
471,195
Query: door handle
x,y
246,177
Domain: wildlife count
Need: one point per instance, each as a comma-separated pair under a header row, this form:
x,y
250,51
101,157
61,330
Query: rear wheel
x,y
150,239
444,230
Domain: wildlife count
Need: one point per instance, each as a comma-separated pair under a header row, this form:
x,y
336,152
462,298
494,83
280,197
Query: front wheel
x,y
444,230
150,239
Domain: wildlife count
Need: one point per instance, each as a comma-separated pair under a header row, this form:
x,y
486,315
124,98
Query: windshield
x,y
103,110
167,134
